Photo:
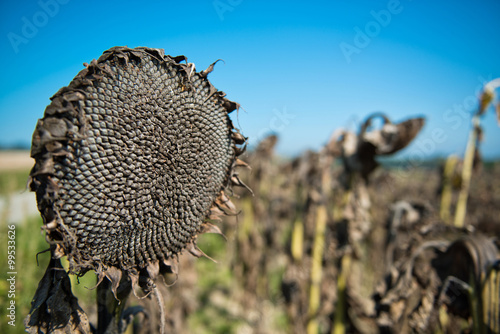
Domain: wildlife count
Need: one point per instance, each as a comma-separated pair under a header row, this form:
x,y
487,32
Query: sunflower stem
x,y
467,174
340,316
317,270
446,192
297,237
319,248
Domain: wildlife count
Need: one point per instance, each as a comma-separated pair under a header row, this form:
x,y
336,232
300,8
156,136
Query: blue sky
x,y
300,69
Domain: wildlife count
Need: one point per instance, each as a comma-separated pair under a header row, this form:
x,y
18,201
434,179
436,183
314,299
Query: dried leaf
x,y
485,99
210,68
54,308
114,275
211,228
394,141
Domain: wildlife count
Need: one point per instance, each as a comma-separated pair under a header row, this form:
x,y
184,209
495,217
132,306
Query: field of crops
x,y
330,241
318,247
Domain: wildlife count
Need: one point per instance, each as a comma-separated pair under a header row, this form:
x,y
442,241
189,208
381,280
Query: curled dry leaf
x,y
393,137
359,152
485,99
466,265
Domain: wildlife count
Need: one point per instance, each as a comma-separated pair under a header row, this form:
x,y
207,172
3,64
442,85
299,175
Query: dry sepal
x,y
131,159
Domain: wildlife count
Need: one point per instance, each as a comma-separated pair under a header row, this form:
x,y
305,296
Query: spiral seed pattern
x,y
138,160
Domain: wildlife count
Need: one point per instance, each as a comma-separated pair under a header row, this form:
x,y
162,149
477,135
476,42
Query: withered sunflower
x,y
132,161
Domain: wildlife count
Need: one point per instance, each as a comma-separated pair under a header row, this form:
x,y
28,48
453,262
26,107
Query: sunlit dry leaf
x,y
485,99
394,140
359,152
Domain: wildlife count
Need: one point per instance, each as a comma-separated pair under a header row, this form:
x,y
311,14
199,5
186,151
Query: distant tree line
x,y
14,146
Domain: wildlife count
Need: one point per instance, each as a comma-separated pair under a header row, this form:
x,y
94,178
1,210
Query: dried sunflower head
x,y
131,159
359,151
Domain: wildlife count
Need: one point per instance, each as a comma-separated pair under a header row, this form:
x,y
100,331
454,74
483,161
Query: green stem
x,y
297,244
449,167
340,317
316,270
297,237
318,250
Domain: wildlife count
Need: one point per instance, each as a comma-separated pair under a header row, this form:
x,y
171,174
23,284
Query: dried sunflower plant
x,y
133,160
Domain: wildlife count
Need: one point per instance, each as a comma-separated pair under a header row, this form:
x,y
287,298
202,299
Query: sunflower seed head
x,y
130,159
